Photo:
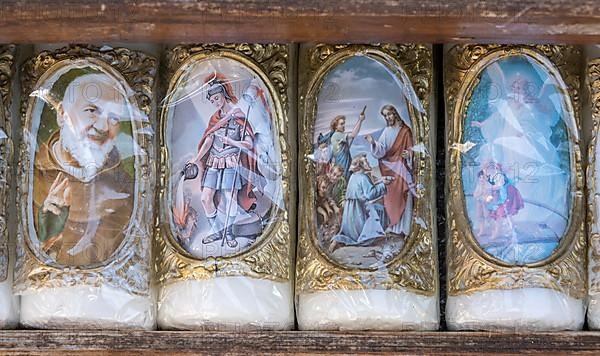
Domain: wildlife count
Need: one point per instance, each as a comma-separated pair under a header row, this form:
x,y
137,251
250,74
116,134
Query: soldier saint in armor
x,y
226,162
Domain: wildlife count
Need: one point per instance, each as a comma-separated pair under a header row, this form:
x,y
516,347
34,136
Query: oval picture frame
x,y
464,95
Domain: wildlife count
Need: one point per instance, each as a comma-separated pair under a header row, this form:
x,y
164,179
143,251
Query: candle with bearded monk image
x,y
85,255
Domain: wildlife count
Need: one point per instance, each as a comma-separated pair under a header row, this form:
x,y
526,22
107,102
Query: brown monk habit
x,y
397,192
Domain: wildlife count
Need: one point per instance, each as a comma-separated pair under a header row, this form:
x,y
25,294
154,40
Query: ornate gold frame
x,y
7,56
470,269
129,267
271,256
593,76
415,267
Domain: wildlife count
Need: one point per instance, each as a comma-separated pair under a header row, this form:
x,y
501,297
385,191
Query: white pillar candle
x,y
86,214
227,303
367,309
85,307
515,209
531,309
367,188
9,303
226,204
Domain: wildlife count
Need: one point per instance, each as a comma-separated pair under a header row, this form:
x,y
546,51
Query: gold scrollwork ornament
x,y
593,73
7,54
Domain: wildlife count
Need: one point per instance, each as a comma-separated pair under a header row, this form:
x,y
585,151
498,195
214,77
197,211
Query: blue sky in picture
x,y
348,87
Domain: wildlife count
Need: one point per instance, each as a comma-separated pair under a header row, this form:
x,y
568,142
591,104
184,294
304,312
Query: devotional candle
x,y
367,255
227,208
593,171
8,301
515,213
85,189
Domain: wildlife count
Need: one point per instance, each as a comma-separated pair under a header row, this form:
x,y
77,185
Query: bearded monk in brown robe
x,y
83,198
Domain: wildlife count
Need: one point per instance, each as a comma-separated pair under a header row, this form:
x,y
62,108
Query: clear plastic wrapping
x,y
85,189
9,305
225,237
516,243
367,257
593,172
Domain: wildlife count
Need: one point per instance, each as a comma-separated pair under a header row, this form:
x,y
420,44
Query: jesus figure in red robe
x,y
393,150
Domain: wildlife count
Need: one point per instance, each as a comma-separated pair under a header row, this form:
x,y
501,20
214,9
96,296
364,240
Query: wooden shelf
x,y
30,341
572,21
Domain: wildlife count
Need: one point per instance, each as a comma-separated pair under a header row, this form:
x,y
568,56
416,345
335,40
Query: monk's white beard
x,y
90,155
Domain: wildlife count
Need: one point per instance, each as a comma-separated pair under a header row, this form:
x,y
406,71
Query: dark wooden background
x,y
434,21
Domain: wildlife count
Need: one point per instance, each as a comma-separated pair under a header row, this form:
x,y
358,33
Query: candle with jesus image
x,y
365,203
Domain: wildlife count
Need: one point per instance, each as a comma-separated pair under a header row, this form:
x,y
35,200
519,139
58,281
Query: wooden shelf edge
x,y
503,21
36,341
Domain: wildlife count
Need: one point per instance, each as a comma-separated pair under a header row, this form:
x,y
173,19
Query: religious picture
x,y
83,170
516,161
225,183
363,152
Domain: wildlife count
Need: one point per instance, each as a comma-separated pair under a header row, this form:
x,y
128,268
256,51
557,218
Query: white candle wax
x,y
226,303
85,307
9,306
532,309
367,310
593,314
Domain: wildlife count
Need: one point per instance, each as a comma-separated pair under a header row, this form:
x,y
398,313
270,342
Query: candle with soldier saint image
x,y
224,199
224,192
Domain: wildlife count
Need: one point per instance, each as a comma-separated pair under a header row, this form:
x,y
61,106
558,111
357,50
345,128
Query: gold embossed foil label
x,y
515,188
226,163
367,200
7,53
85,174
